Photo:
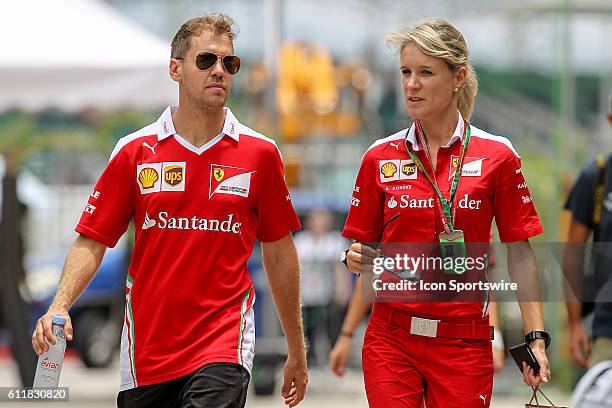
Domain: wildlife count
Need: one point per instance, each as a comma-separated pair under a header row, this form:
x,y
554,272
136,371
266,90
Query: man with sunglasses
x,y
200,187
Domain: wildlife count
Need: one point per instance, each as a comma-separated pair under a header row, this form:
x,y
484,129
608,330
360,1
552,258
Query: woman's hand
x,y
339,355
499,356
523,271
360,258
539,351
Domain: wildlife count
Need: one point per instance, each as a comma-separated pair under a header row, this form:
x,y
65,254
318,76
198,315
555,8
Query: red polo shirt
x,y
491,186
197,212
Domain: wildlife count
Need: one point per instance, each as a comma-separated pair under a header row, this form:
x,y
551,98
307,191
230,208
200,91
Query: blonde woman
x,y
440,182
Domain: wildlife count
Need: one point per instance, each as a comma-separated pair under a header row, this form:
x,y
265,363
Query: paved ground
x,y
98,388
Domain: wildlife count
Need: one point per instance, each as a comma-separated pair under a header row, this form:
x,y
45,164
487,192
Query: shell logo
x,y
148,177
388,169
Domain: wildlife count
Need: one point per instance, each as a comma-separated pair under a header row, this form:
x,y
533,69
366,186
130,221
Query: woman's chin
x,y
417,113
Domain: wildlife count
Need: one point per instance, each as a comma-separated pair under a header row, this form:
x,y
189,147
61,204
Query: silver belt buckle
x,y
423,327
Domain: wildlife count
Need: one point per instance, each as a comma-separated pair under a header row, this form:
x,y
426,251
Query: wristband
x,y
538,335
346,334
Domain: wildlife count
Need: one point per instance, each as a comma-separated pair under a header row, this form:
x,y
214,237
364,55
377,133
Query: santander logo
x,y
166,221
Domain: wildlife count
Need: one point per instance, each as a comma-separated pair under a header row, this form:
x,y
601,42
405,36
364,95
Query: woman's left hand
x,y
498,359
539,350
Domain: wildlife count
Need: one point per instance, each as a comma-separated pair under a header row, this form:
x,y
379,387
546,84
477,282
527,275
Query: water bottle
x,y
50,363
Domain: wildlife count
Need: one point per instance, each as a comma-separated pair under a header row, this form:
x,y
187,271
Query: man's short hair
x,y
217,23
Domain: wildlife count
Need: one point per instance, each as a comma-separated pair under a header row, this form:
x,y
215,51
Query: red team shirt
x,y
491,185
197,212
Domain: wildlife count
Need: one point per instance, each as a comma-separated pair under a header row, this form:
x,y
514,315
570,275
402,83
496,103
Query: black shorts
x,y
216,385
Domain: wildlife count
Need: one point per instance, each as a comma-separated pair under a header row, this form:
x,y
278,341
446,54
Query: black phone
x,y
523,352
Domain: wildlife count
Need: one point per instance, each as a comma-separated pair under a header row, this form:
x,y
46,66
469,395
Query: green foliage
x,y
46,137
542,88
114,125
15,131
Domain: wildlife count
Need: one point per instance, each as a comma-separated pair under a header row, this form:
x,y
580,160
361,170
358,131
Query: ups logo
x,y
173,175
409,168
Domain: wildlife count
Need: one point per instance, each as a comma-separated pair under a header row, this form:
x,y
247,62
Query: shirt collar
x,y
165,126
230,127
411,137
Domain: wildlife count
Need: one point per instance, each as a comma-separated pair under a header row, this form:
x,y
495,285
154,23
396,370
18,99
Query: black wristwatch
x,y
537,335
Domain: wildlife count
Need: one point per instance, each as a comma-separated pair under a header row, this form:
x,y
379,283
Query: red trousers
x,y
402,370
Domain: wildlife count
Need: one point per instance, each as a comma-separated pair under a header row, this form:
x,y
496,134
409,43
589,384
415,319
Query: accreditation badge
x,y
452,245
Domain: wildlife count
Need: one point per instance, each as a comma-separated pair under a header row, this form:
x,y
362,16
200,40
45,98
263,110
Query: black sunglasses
x,y
206,60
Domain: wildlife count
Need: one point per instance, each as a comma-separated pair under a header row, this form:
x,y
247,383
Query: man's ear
x,y
174,68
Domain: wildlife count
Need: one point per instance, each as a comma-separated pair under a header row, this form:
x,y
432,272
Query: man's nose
x,y
218,69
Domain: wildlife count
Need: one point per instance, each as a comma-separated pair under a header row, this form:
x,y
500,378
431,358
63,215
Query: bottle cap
x,y
61,320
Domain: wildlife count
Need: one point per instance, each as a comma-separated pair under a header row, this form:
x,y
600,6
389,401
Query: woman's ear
x,y
460,76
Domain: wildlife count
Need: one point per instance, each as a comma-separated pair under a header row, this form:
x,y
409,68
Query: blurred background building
x,y
76,75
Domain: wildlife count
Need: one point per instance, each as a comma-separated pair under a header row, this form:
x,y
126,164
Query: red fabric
x,y
402,370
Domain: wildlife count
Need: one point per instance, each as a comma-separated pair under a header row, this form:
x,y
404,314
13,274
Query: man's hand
x,y
281,263
573,264
339,355
360,258
295,380
82,262
44,330
579,344
539,351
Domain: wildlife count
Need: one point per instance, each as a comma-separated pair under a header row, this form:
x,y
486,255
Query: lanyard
x,y
445,211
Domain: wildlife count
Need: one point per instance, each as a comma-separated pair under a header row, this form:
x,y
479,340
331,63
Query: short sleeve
x,y
513,207
365,217
111,203
580,199
277,217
